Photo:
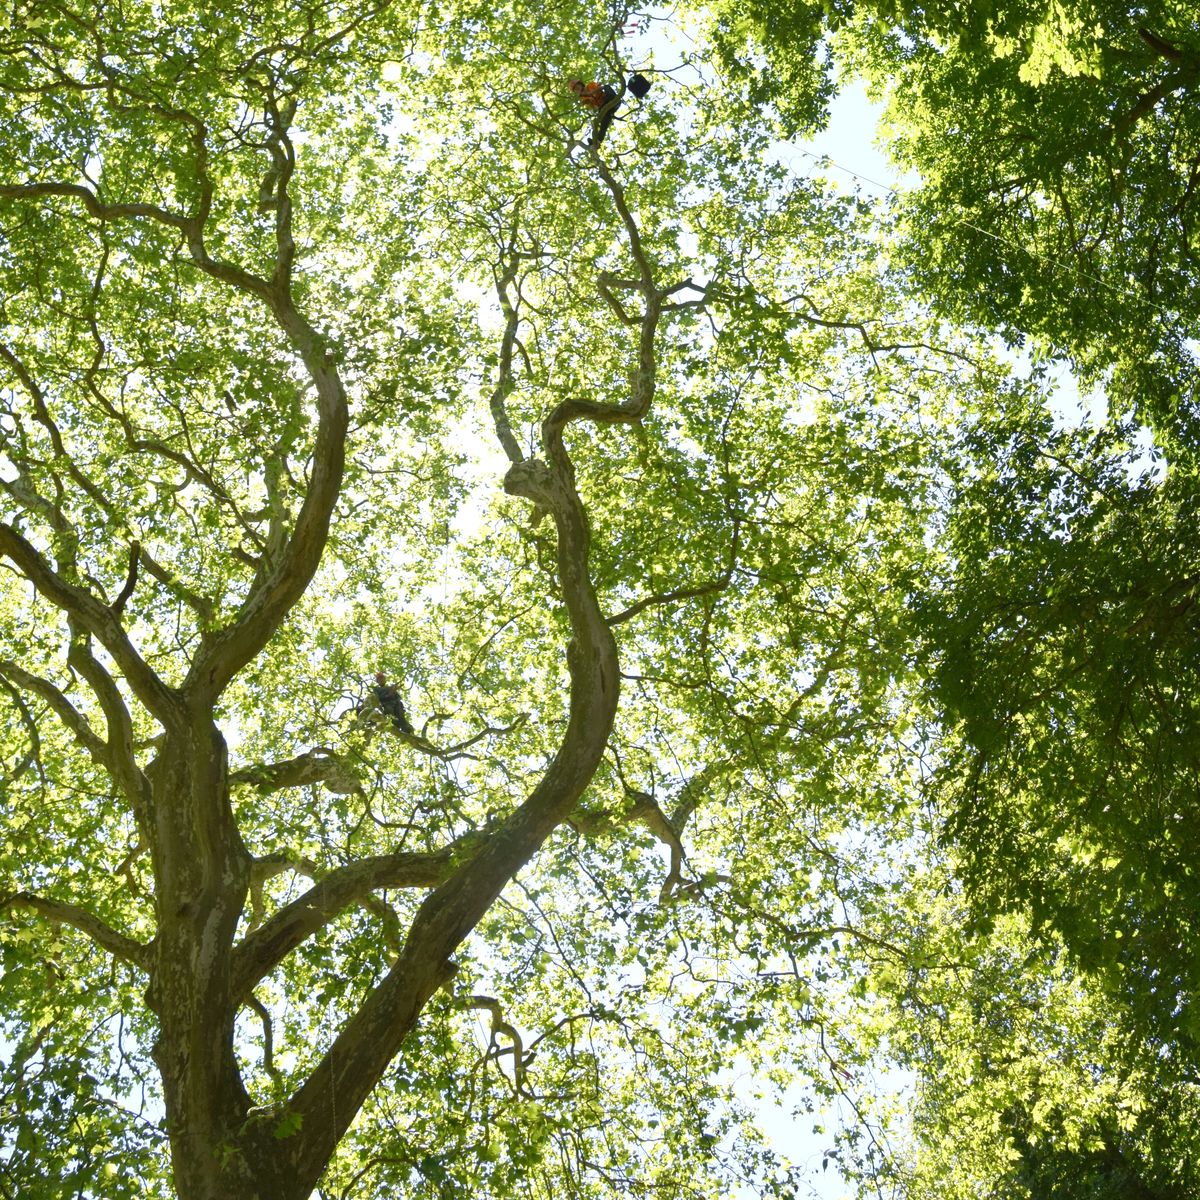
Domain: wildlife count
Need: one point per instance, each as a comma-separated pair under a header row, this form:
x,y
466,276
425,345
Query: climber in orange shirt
x,y
606,100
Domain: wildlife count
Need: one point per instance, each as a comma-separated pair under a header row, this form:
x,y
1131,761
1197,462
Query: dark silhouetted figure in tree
x,y
390,704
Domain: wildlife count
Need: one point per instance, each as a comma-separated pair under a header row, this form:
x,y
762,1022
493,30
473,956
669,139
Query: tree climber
x,y
605,100
389,703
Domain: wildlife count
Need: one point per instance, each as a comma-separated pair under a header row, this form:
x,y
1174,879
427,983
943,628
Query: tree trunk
x,y
202,873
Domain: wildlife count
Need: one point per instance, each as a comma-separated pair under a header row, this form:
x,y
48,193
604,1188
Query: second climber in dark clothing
x,y
390,703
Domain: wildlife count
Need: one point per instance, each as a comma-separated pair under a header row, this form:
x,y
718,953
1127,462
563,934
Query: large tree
x,y
1058,151
286,299
1058,156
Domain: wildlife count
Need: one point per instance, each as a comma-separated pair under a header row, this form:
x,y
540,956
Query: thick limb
x,y
107,938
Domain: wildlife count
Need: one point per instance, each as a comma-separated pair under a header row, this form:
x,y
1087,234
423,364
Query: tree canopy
x,y
792,693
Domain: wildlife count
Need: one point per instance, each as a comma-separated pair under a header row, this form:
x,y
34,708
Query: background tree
x,y
1060,153
1057,152
1029,1081
258,399
1063,628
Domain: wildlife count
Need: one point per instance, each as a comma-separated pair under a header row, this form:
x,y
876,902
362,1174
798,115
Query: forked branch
x,y
94,616
268,945
78,725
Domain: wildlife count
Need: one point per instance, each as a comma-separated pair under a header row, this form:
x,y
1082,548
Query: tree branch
x,y
124,948
96,618
318,765
646,810
691,593
268,1058
713,587
267,946
692,793
131,575
1160,46
505,383
223,653
92,202
501,1026
202,606
67,713
122,764
31,756
1165,87
333,1093
327,1101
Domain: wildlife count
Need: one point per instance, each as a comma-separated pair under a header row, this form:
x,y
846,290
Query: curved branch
x,y
122,765
1149,99
704,589
268,945
692,792
328,1100
97,618
202,606
269,865
318,765
66,712
505,383
356,1060
131,575
636,249
641,394
459,749
32,756
1160,46
268,1058
283,160
646,810
605,282
93,203
501,1026
223,653
107,938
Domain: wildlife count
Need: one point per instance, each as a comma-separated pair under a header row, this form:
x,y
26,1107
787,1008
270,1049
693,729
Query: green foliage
x,y
1057,156
1028,1084
903,767
1056,148
1061,637
754,539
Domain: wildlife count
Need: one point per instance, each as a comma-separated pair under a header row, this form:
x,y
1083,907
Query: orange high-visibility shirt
x,y
593,95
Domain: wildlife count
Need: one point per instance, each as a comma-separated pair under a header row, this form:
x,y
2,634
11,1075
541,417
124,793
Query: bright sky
x,y
849,142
